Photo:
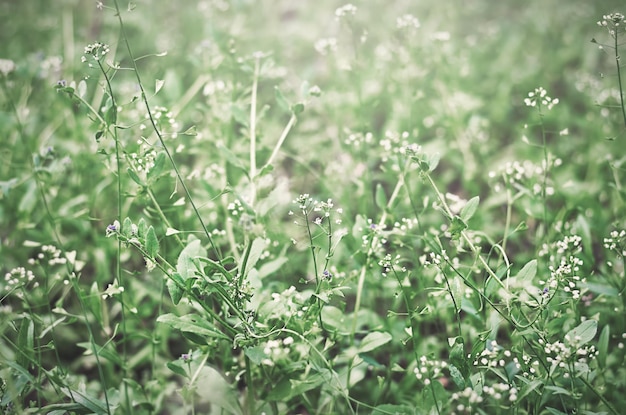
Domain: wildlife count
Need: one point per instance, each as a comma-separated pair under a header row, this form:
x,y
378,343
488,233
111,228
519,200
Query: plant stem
x,y
253,99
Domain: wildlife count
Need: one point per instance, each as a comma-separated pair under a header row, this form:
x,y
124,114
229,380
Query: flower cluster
x,y
51,253
539,98
523,175
612,22
564,266
389,264
96,51
325,46
143,162
287,304
345,10
429,369
616,242
18,276
166,122
569,355
322,209
358,139
276,350
6,66
407,21
397,143
463,402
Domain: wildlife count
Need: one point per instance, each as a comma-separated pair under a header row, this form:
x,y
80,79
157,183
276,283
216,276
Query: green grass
x,y
312,208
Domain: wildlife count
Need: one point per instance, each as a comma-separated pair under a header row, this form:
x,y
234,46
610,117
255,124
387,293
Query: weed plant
x,y
237,207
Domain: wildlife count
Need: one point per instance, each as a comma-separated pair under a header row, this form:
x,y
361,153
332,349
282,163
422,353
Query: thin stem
x,y
370,252
253,99
160,136
619,78
281,140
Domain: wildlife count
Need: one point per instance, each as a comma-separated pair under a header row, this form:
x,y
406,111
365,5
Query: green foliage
x,y
381,212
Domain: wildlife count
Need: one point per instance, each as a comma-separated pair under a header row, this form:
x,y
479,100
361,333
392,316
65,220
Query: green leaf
x,y
297,108
583,333
192,323
528,272
373,341
158,84
152,242
157,169
381,197
93,404
239,115
214,389
110,114
281,100
457,376
271,267
82,88
231,157
26,342
603,346
457,226
174,286
177,368
469,209
191,131
134,177
387,409
185,265
255,354
254,253
433,161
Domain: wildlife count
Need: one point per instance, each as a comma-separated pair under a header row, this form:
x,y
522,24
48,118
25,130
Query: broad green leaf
x,y
281,100
255,354
110,114
583,333
297,108
387,409
457,376
529,388
456,227
174,287
82,88
231,157
157,169
271,267
469,209
335,318
134,177
603,345
93,404
214,389
239,115
191,131
528,271
254,253
26,342
158,84
191,323
177,368
373,341
381,197
433,161
152,242
185,265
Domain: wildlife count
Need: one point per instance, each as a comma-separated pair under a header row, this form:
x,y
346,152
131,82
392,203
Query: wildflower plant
x,y
309,208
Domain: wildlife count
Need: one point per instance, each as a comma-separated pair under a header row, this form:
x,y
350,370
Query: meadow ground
x,y
278,207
